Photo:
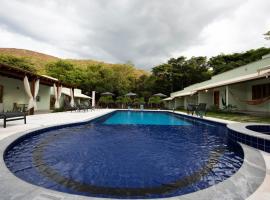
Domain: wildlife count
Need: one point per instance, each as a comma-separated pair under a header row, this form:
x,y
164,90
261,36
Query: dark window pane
x,y
260,91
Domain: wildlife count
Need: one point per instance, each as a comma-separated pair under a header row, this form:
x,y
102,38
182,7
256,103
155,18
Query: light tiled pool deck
x,y
256,167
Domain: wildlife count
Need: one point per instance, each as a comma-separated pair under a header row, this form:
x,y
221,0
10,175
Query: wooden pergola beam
x,y
17,73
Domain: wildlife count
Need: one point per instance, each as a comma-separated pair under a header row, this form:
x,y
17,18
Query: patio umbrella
x,y
130,94
107,94
160,95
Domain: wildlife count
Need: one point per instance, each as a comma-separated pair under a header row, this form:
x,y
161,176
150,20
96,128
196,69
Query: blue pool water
x,y
127,155
146,118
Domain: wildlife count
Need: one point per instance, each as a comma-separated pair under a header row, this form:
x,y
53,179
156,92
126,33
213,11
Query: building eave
x,y
17,73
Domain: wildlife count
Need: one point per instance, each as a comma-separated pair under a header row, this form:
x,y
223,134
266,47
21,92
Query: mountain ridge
x,y
40,60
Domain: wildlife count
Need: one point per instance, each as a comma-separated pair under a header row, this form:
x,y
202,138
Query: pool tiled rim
x,y
239,132
251,175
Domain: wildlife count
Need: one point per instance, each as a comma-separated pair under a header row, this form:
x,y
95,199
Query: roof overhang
x,y
168,99
264,72
185,94
17,73
83,96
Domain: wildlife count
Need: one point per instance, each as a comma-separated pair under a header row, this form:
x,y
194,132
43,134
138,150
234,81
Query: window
x,y
1,93
260,91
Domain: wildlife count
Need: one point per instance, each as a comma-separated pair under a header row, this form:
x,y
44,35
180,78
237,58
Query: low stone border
x,y
241,185
241,133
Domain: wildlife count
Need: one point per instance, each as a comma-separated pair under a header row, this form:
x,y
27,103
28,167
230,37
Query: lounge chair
x,y
82,107
68,107
191,109
89,107
12,116
201,110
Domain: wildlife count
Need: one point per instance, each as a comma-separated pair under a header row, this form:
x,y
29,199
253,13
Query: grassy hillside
x,y
40,60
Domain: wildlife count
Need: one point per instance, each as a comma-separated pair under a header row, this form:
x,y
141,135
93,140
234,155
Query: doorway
x,y
216,98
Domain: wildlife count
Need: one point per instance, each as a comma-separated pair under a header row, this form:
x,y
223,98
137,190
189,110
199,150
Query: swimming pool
x,y
127,154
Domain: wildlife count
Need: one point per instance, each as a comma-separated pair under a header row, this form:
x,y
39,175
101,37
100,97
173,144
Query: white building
x,y
13,93
246,87
79,98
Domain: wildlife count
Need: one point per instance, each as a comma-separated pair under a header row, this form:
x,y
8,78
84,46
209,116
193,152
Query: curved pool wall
x,y
202,194
252,134
121,190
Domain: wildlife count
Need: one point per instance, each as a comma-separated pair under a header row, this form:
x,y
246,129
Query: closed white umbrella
x,y
32,98
36,93
57,95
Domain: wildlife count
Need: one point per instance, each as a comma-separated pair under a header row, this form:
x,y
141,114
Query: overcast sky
x,y
146,32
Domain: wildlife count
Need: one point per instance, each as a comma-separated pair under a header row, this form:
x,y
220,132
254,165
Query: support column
x,y
73,96
57,91
93,99
227,95
31,111
56,96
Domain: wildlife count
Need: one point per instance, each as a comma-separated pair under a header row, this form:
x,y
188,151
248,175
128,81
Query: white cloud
x,y
14,40
240,31
145,32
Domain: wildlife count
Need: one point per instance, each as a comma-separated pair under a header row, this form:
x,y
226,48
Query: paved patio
x,y
49,119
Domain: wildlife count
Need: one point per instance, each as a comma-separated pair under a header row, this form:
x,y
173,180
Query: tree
x,y
66,72
105,100
222,62
127,100
188,71
162,75
118,79
154,100
267,35
22,63
123,101
143,86
120,101
179,73
139,101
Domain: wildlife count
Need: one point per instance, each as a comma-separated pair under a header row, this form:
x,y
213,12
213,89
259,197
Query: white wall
x,y
238,94
179,102
190,100
206,97
14,93
44,93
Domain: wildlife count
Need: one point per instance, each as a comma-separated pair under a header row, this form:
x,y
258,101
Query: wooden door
x,y
216,98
